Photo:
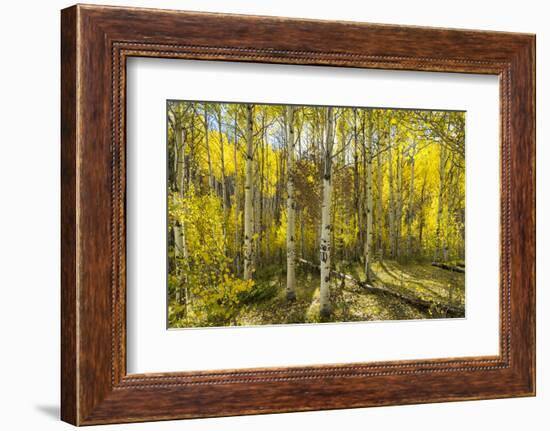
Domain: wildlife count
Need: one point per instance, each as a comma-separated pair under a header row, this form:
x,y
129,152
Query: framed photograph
x,y
264,215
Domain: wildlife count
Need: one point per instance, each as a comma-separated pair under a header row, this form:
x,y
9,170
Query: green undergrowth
x,y
266,303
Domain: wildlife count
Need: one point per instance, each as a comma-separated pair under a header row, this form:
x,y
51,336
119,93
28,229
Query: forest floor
x,y
267,303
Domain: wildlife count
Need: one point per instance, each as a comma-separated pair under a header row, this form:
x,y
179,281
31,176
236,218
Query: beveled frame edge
x,y
95,43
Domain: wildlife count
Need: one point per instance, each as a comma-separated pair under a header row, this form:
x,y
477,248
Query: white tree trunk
x,y
224,188
258,197
399,204
175,167
290,208
391,209
356,189
379,220
248,191
180,248
326,228
207,143
410,208
442,160
268,205
368,237
237,200
180,243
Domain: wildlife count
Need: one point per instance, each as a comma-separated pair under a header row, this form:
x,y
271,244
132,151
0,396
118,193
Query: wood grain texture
x,y
96,41
69,397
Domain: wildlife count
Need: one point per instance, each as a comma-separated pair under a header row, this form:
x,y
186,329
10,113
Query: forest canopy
x,y
295,214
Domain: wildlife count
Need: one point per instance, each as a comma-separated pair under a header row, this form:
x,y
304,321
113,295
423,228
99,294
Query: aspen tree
x,y
326,227
290,207
207,144
248,191
368,203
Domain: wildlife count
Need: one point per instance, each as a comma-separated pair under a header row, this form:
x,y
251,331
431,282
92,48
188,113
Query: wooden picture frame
x,y
95,43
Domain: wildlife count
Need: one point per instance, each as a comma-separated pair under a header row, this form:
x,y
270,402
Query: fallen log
x,y
449,267
379,290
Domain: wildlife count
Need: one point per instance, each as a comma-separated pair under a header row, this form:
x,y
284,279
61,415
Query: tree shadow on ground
x,y
278,309
423,280
349,302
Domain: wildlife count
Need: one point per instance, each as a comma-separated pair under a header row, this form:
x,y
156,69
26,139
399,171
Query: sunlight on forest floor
x,y
352,303
254,189
422,280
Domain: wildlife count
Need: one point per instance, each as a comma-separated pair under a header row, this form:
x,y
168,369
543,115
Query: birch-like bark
x,y
363,185
224,186
179,231
356,192
207,143
277,204
399,204
368,202
180,163
259,195
268,204
326,228
290,208
379,220
442,160
190,172
237,199
410,207
180,243
391,209
248,190
175,171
